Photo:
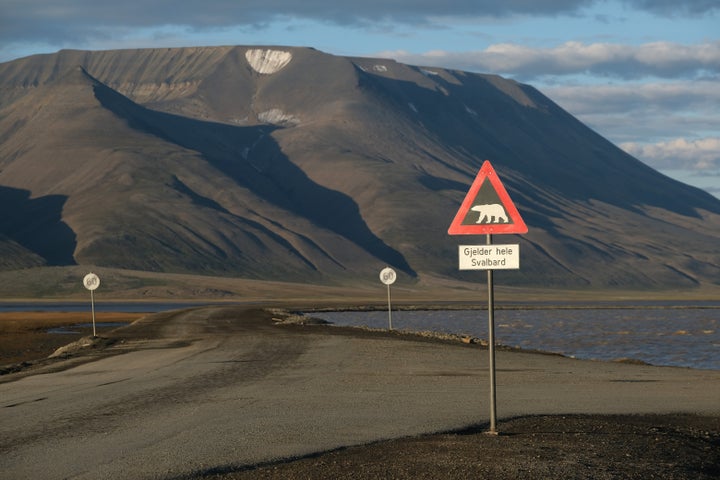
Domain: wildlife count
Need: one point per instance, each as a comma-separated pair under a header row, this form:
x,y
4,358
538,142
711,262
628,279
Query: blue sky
x,y
645,74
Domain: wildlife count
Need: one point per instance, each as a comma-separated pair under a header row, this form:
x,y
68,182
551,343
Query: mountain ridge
x,y
313,167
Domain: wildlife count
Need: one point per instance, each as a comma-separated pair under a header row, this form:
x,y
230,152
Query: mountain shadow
x,y
252,158
36,224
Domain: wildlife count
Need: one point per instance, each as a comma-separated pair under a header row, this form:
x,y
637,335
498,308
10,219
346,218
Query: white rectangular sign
x,y
489,257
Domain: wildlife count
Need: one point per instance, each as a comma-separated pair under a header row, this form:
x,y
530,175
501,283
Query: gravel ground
x,y
668,446
641,447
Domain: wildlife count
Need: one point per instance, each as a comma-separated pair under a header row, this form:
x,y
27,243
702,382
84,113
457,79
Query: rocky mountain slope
x,y
292,164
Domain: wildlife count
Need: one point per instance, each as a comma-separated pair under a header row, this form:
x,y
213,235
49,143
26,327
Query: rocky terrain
x,y
282,163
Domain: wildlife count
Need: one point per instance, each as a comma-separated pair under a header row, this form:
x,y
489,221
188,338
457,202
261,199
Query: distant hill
x,y
291,164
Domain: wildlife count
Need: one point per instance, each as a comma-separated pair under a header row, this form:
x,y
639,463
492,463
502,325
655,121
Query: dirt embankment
x,y
28,336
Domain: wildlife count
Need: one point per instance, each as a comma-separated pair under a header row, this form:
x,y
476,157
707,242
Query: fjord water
x,y
658,335
100,306
669,334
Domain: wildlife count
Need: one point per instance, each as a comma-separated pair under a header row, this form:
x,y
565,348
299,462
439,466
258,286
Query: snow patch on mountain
x,y
267,61
276,116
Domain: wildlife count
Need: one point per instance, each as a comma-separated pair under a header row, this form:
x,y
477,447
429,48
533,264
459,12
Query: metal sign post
x,y
91,282
486,210
491,347
388,277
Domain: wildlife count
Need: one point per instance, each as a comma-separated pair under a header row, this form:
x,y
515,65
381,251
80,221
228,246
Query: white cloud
x,y
696,95
658,59
700,154
654,112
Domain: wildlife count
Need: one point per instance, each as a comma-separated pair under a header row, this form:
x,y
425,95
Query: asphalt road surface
x,y
208,390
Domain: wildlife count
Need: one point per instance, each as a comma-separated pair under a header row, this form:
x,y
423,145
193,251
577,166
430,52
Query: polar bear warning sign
x,y
487,208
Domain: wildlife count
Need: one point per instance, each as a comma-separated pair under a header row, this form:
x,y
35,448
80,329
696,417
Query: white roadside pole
x,y
487,210
91,282
388,277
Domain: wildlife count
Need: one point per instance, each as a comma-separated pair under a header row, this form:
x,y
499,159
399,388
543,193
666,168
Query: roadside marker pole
x,y
389,309
491,347
388,277
92,306
91,282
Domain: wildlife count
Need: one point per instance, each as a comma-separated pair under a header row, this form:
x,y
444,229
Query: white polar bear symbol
x,y
490,213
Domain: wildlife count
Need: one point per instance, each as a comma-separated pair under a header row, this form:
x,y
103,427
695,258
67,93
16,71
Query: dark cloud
x,y
55,21
675,8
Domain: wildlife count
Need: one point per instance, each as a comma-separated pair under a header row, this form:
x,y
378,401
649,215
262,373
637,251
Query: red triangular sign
x,y
487,208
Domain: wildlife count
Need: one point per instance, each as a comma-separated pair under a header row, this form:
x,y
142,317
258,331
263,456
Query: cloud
x,y
55,21
658,59
697,96
655,112
674,8
81,20
680,153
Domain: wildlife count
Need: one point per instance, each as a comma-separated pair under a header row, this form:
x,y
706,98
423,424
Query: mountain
x,y
291,164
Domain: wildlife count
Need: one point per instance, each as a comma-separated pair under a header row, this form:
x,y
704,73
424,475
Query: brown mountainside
x,y
291,164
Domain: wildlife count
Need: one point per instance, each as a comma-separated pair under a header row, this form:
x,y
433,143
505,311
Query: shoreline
x,y
25,337
687,338
24,346
127,306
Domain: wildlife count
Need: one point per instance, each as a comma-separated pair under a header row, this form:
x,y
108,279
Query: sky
x,y
644,74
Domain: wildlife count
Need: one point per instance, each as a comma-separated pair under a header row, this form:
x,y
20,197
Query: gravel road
x,y
184,394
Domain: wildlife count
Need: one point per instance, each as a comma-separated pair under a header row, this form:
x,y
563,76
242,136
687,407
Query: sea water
x,y
669,336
